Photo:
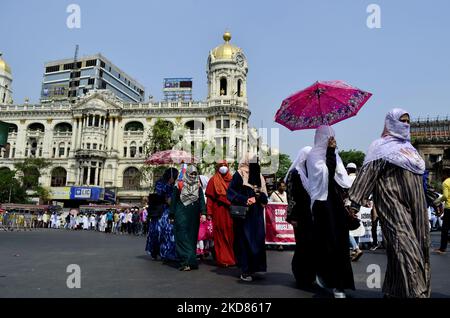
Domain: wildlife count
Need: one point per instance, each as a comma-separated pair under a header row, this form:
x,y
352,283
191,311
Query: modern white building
x,y
98,141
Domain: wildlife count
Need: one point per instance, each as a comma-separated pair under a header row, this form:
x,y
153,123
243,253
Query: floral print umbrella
x,y
168,157
323,103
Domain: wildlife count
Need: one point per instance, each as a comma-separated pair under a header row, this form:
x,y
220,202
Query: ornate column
x,y
110,133
73,140
89,174
116,134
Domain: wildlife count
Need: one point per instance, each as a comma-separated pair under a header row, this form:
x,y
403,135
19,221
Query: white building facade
x,y
99,141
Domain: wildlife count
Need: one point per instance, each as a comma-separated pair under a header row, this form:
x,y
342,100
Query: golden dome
x,y
226,50
4,66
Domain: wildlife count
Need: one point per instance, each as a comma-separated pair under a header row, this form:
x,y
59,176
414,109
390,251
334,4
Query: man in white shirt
x,y
129,219
280,195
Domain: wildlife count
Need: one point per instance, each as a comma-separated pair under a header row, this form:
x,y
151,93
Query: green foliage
x,y
10,188
160,137
30,170
355,156
283,166
43,194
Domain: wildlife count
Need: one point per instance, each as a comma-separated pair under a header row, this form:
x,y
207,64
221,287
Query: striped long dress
x,y
399,198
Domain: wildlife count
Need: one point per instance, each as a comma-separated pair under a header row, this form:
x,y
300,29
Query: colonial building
x,y
431,137
98,141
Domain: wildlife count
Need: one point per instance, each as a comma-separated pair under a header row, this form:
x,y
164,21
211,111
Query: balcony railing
x,y
62,134
27,107
12,134
35,133
90,153
133,133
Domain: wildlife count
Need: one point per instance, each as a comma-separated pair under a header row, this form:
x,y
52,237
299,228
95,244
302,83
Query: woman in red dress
x,y
218,208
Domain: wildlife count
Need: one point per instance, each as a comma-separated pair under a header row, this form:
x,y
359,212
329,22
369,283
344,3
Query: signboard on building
x,y
177,89
110,195
87,193
60,193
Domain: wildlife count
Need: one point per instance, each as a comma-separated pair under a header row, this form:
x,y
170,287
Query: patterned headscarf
x,y
394,146
190,188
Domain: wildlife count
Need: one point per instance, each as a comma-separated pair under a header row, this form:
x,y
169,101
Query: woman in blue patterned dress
x,y
160,239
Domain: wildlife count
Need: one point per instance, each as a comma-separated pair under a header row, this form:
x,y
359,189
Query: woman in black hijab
x,y
248,189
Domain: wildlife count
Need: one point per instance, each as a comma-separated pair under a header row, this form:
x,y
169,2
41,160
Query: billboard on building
x,y
87,193
55,91
177,89
60,193
110,195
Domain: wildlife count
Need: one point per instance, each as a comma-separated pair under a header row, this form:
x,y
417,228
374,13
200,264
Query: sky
x,y
289,45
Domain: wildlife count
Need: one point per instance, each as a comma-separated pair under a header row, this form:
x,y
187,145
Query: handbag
x,y
238,211
352,221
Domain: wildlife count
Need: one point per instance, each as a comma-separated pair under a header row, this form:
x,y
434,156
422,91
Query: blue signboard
x,y
110,195
86,193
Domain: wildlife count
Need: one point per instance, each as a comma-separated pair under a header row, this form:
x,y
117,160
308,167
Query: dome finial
x,y
227,36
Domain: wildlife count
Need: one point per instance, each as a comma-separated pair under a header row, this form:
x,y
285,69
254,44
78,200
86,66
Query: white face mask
x,y
223,169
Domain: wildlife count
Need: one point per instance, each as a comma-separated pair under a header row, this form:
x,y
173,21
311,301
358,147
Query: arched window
x,y
194,125
12,128
239,88
59,177
63,127
134,126
4,169
131,179
36,127
223,86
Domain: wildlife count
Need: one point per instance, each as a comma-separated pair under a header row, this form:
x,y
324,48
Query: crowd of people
x,y
131,221
324,198
189,216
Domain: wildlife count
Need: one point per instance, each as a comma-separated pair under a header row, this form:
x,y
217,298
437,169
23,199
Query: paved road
x,y
33,264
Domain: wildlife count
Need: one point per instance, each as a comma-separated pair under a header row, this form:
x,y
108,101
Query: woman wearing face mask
x,y
393,172
188,202
248,188
218,208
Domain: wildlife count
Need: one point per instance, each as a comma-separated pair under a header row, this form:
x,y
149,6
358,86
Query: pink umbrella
x,y
323,103
170,157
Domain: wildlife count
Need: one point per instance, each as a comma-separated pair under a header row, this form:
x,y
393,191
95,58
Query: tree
x,y
284,163
355,156
159,139
10,188
30,170
43,194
